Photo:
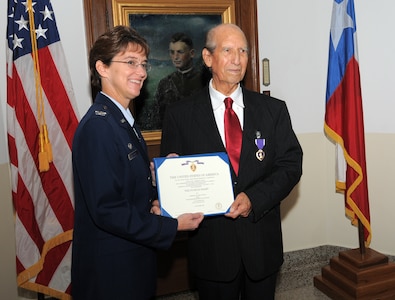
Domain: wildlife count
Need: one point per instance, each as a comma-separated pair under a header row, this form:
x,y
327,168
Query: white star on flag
x,y
47,13
340,21
17,41
26,5
41,32
22,23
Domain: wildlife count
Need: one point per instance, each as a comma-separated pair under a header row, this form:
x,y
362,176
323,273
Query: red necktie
x,y
233,134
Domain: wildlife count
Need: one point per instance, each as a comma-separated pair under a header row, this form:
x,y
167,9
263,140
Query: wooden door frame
x,y
99,19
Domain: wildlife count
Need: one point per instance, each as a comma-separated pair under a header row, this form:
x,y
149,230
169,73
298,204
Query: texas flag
x,y
344,123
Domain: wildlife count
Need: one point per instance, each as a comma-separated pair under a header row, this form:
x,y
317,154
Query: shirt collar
x,y
185,71
217,98
126,112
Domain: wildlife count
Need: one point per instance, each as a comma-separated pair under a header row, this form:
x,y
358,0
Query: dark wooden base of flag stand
x,y
353,275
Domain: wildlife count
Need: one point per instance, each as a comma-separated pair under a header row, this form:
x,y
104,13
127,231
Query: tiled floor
x,y
303,293
295,281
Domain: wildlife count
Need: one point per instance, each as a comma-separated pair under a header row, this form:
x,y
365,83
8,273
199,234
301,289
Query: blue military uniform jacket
x,y
115,235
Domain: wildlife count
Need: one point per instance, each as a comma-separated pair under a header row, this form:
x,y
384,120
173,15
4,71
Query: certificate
x,y
194,183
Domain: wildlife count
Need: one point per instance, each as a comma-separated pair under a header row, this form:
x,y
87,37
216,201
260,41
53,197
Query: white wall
x,y
296,40
294,35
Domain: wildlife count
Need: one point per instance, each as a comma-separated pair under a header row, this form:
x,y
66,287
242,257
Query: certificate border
x,y
158,161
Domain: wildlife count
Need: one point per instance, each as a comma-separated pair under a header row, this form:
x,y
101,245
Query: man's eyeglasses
x,y
134,64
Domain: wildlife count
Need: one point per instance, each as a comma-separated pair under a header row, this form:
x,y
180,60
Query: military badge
x,y
260,143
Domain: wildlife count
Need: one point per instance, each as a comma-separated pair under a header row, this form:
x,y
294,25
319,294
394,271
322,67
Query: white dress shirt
x,y
217,102
125,111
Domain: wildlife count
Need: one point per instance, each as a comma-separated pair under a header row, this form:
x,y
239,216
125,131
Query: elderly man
x,y
238,255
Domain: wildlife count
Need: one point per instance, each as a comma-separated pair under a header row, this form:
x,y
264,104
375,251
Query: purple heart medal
x,y
260,143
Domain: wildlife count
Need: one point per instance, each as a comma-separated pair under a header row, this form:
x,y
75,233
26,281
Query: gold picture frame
x,y
123,9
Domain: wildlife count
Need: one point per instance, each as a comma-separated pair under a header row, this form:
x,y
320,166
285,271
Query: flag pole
x,y
362,248
355,273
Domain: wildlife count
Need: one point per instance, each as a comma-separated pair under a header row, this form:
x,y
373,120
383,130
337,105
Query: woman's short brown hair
x,y
110,44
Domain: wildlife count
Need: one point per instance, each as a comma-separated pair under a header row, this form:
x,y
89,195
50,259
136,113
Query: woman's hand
x,y
152,168
189,221
155,209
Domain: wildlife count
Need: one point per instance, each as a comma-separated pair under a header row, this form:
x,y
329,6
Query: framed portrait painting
x,y
157,22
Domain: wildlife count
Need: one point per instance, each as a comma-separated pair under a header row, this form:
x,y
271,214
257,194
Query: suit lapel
x,y
206,121
254,120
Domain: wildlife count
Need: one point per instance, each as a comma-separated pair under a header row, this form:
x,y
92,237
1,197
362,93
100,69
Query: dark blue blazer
x,y
220,244
115,235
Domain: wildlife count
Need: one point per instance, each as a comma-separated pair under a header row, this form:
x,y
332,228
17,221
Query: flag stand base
x,y
353,275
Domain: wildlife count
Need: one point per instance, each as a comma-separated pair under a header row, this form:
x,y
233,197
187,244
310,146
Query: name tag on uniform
x,y
132,154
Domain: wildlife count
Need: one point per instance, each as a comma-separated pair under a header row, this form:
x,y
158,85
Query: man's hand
x,y
241,207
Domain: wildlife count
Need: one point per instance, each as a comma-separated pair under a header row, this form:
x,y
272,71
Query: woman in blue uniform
x,y
116,232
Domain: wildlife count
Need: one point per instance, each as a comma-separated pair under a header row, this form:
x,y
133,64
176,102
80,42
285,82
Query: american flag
x,y
40,96
344,114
